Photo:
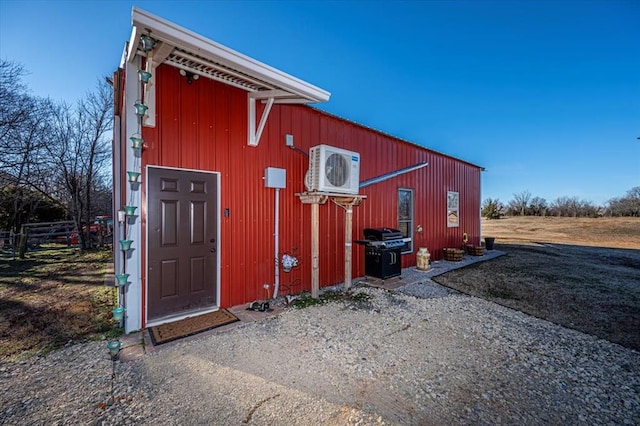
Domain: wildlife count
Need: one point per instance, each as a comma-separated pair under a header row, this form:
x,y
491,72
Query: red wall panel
x,y
204,126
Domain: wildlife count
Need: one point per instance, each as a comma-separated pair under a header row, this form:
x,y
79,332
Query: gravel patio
x,y
419,354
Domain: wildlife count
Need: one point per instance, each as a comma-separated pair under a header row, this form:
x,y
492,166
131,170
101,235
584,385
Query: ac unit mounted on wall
x,y
333,169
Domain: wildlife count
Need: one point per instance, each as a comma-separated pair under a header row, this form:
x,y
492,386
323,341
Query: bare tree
x,y
538,206
101,197
24,125
13,93
520,204
565,206
52,151
629,205
65,149
96,113
80,148
573,207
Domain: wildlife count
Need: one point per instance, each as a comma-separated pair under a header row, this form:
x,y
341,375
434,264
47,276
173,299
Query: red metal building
x,y
202,184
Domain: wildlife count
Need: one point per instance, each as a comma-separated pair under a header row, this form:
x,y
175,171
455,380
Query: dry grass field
x,y
611,232
577,272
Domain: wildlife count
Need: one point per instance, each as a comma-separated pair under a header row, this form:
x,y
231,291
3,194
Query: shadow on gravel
x,y
591,289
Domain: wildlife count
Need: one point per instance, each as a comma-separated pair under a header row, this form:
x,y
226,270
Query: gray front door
x,y
182,230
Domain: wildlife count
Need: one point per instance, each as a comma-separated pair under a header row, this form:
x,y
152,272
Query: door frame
x,y
177,317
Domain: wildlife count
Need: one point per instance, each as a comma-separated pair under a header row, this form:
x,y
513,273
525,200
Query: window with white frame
x,y
453,209
405,217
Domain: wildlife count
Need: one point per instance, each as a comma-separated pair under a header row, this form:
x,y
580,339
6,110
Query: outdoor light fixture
x,y
144,76
190,76
147,43
141,109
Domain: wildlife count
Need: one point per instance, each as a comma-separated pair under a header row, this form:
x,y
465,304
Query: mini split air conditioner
x,y
333,169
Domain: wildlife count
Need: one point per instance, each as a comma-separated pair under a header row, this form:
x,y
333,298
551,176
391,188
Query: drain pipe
x,y
276,236
388,176
277,179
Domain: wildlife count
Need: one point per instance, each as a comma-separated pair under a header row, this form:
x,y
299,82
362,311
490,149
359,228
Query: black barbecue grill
x,y
383,252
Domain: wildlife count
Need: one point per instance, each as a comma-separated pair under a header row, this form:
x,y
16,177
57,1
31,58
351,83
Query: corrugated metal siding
x,y
204,126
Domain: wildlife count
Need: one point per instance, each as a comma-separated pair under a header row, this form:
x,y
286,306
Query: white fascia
x,y
289,89
163,30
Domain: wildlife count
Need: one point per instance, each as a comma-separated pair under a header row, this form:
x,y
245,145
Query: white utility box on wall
x,y
275,178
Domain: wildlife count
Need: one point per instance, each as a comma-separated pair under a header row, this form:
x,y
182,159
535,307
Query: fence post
x,y
100,235
22,242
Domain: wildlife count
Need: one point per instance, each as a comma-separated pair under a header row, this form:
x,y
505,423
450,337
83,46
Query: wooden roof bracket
x,y
269,97
184,49
254,134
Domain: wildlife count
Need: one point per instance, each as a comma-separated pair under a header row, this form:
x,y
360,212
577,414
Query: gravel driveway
x,y
422,355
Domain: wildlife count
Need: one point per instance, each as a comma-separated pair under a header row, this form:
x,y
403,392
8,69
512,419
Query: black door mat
x,y
189,326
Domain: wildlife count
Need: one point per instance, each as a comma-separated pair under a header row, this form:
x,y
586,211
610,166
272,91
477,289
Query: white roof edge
x,y
180,37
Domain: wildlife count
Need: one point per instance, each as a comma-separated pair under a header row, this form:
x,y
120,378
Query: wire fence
x,y
45,235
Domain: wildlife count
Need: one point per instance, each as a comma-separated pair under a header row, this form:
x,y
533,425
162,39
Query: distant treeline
x,y
524,204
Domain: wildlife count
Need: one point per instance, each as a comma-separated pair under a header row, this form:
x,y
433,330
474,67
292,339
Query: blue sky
x,y
544,94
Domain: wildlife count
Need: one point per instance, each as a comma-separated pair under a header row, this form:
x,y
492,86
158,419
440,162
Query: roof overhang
x,y
192,52
197,55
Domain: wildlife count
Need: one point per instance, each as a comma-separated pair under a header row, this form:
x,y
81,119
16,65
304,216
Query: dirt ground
x,y
576,272
581,273
53,297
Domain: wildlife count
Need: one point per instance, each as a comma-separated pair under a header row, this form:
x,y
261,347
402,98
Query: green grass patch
x,y
331,296
53,298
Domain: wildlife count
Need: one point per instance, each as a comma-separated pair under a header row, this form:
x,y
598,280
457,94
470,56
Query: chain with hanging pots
x,y
127,215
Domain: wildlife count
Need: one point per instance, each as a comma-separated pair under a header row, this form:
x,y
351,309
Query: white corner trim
x,y
134,41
